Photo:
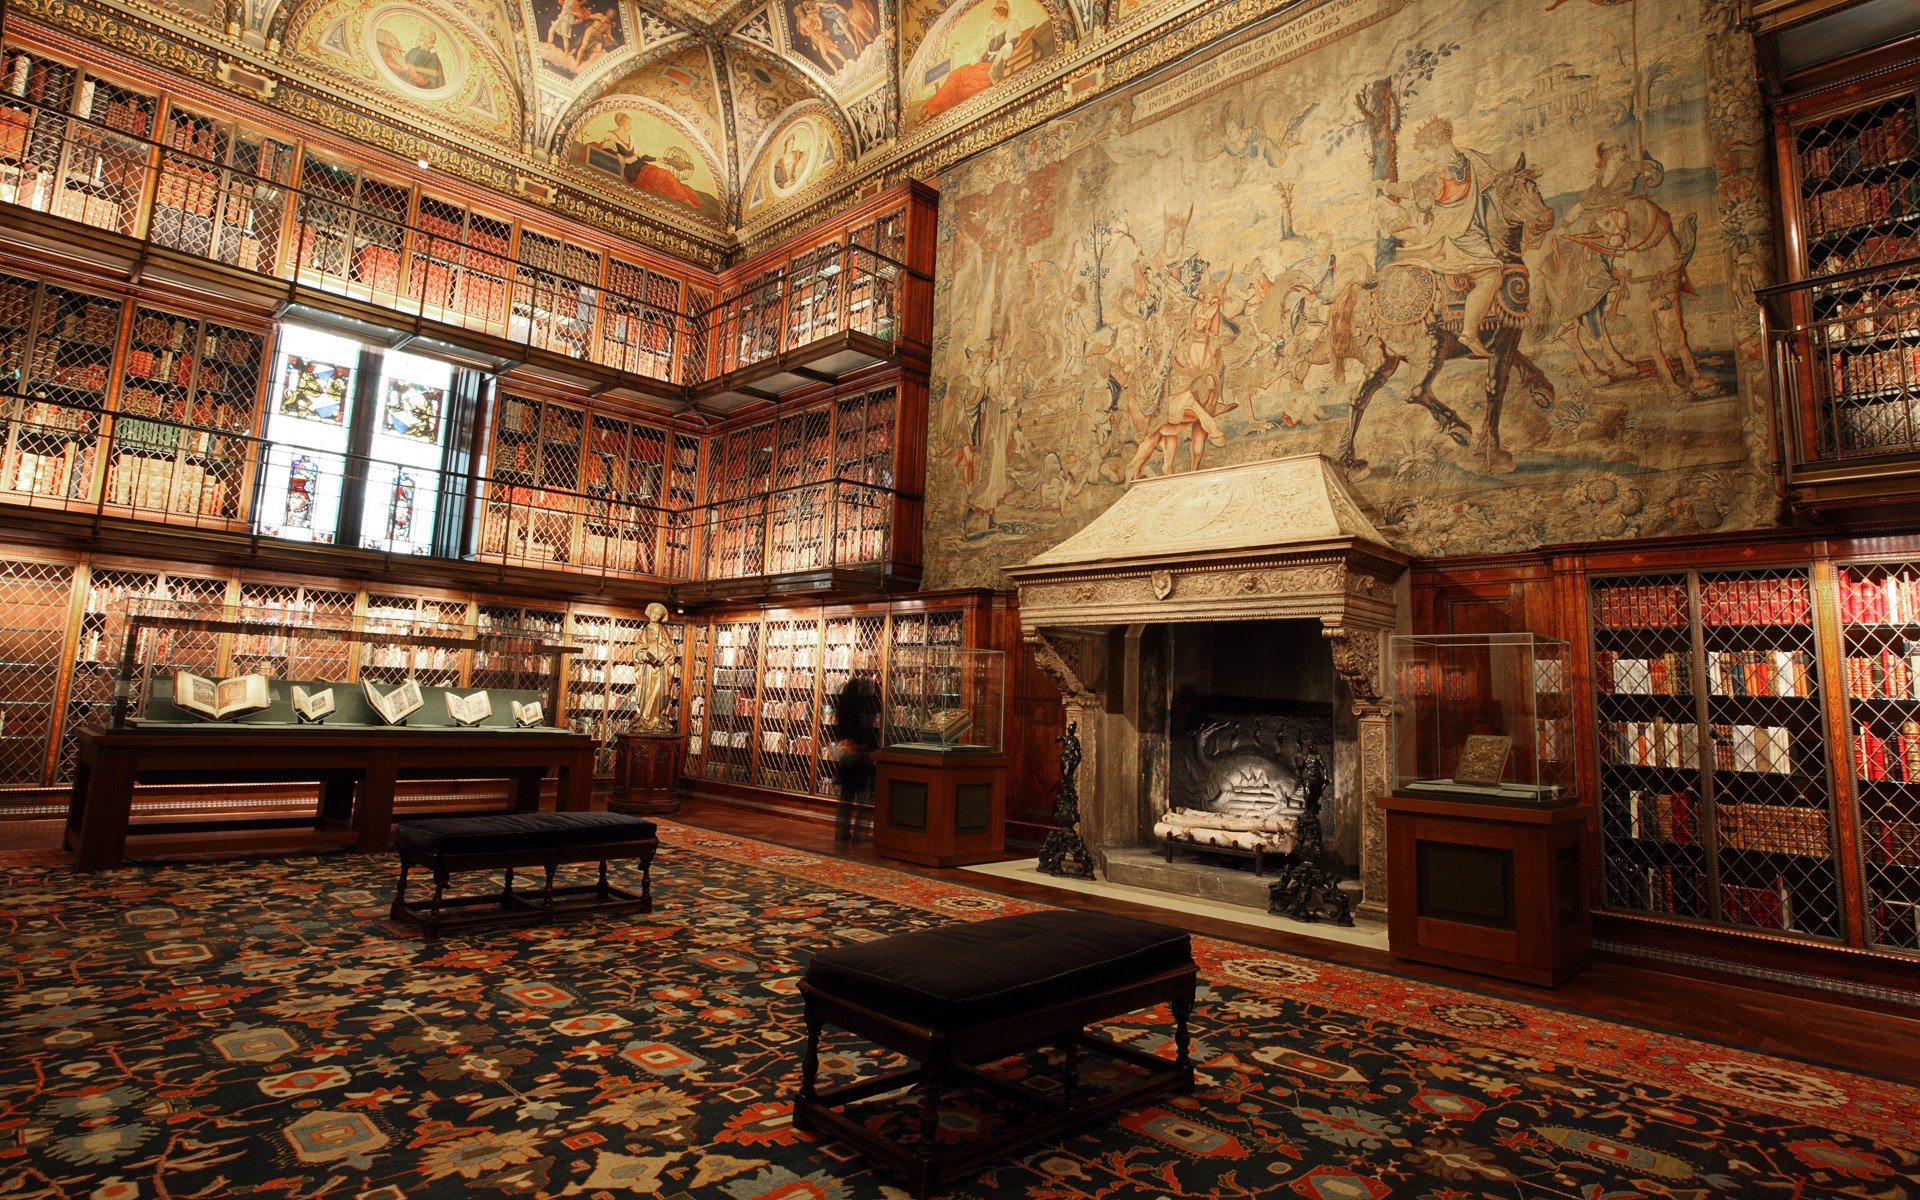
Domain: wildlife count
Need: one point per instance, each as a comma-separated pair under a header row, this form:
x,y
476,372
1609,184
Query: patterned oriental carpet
x,y
256,1028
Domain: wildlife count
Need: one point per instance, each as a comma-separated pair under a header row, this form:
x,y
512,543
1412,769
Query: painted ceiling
x,y
708,116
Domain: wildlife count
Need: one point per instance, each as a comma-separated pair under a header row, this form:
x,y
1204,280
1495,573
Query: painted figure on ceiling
x,y
423,67
834,33
1003,43
790,165
664,174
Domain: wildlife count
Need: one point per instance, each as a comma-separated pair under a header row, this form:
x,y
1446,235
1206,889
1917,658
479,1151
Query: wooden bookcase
x,y
1715,796
208,199
457,266
1747,736
554,297
185,371
59,344
1846,323
771,678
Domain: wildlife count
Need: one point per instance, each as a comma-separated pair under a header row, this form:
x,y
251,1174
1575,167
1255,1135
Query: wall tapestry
x,y
1496,258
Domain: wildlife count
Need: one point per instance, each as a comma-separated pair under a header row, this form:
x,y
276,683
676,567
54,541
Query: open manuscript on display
x,y
219,699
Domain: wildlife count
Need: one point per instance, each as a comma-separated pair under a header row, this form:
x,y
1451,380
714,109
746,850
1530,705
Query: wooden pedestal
x,y
939,810
1493,888
646,773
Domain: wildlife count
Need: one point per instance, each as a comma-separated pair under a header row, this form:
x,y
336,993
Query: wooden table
x,y
356,767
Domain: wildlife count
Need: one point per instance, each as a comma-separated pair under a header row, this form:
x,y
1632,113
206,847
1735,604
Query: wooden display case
x,y
1498,889
939,810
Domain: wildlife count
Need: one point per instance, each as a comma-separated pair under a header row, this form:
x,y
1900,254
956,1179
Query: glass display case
x,y
1482,717
949,699
186,663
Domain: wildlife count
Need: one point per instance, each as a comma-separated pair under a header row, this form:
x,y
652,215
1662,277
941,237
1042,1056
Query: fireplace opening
x,y
1253,726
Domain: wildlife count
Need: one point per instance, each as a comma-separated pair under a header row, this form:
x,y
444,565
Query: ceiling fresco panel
x,y
974,46
444,60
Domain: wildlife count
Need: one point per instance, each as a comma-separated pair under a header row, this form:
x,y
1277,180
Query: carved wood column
x,y
1358,661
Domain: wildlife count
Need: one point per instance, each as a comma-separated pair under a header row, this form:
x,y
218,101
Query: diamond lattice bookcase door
x,y
851,643
1879,608
1771,788
789,687
1654,843
733,701
34,601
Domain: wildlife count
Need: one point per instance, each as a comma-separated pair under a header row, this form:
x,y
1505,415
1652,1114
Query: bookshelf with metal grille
x,y
1716,800
1878,607
391,662
58,345
185,381
100,635
733,700
208,197
35,599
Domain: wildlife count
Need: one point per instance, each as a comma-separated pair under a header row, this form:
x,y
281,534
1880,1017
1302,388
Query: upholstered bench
x,y
961,997
513,840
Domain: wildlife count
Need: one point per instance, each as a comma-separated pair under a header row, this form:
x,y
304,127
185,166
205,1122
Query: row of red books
x,y
1895,757
1892,598
1870,251
1893,843
1886,140
1661,816
1760,907
1774,829
1851,372
1859,203
1760,673
1642,605
1886,675
1763,600
1879,313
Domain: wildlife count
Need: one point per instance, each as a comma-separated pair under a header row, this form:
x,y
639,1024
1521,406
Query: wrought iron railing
x,y
228,212
79,458
1845,355
82,169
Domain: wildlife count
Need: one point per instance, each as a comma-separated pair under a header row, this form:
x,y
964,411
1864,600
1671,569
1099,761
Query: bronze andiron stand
x,y
1307,891
1064,853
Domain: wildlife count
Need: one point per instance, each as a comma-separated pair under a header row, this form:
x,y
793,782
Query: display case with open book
x,y
187,664
1482,717
949,699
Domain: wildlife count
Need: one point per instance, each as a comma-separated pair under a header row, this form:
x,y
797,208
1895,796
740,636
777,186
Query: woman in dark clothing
x,y
856,718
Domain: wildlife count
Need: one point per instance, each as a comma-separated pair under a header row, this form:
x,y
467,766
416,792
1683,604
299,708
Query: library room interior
x,y
1084,599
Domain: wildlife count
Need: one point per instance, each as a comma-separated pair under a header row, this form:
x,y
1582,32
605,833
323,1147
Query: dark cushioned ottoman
x,y
957,998
510,840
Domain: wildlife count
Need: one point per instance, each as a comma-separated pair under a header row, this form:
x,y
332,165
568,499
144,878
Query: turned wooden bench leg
x,y
933,1080
546,905
399,894
1070,1070
506,892
1182,1006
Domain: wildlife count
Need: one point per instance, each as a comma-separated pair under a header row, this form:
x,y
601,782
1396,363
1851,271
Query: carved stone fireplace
x,y
1235,569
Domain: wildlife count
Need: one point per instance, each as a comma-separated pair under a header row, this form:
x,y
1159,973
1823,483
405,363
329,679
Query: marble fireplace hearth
x,y
1270,571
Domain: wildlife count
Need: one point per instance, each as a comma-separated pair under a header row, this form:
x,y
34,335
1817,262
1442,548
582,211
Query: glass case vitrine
x,y
945,698
1482,717
186,663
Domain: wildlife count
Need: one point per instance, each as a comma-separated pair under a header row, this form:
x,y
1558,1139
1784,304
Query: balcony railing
x,y
75,458
1845,355
227,212
78,168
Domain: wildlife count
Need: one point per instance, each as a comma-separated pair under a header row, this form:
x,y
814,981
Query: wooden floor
x,y
1777,1019
1801,1023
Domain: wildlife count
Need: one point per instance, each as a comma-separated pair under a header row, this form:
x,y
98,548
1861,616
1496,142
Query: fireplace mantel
x,y
1262,541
